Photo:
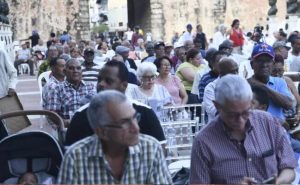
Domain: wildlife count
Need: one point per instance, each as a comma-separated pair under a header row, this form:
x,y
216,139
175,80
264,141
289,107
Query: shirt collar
x,y
228,130
71,85
271,80
96,148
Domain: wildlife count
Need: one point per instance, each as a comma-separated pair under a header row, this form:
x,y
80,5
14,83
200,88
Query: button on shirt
x,y
219,159
64,99
279,85
85,163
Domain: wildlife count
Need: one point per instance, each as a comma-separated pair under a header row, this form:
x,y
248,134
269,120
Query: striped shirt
x,y
217,158
205,80
91,75
85,163
64,99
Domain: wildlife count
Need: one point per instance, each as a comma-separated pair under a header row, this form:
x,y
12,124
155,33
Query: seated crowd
x,y
110,96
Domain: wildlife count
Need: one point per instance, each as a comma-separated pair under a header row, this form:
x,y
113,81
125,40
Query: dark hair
x,y
52,34
115,45
191,53
122,69
261,95
158,61
293,39
279,59
234,22
214,57
53,61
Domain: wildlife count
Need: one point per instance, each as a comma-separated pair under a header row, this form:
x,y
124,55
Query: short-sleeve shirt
x,y
188,85
64,99
279,85
173,87
85,163
217,158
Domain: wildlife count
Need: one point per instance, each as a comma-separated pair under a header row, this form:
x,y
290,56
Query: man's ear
x,y
64,71
124,86
101,133
217,105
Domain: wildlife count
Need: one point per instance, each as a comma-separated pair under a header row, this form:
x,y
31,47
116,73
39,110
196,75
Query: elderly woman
x,y
170,82
148,92
187,71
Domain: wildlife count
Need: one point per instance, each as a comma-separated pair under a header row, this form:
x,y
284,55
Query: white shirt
x,y
208,98
293,62
159,97
23,54
8,74
197,78
186,36
218,38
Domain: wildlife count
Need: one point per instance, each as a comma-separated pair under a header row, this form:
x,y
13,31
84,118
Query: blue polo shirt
x,y
279,85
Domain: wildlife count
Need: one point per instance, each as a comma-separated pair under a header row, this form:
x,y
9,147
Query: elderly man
x,y
241,146
114,75
24,56
280,96
69,96
124,52
116,153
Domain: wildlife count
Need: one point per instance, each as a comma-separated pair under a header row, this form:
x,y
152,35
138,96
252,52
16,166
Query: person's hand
x,y
11,92
254,82
248,180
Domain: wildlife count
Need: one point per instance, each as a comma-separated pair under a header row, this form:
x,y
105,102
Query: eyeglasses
x,y
148,78
244,114
166,65
125,123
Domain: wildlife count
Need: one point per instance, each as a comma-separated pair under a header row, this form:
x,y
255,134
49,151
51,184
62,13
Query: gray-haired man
x,y
116,153
241,146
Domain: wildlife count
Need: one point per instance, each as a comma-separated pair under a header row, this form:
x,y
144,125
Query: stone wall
x,y
49,15
170,16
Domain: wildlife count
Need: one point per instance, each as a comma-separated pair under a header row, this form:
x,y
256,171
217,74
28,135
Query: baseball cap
x,y
279,44
189,26
122,49
89,50
157,44
262,48
226,44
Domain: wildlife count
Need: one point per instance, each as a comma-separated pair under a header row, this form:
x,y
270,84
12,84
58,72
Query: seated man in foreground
x,y
241,145
116,153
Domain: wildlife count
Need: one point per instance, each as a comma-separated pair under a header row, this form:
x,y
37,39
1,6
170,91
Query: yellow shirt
x,y
188,85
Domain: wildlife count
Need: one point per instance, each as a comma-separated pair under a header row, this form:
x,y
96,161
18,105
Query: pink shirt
x,y
173,86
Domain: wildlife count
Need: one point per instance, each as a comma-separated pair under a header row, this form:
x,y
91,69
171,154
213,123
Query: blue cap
x,y
189,26
262,48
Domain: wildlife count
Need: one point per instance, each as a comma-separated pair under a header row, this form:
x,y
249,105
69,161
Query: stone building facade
x,y
49,16
170,16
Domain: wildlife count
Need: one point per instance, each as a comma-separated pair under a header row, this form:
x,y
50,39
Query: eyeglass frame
x,y
127,122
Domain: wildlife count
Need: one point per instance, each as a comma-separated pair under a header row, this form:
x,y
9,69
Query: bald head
x,y
228,66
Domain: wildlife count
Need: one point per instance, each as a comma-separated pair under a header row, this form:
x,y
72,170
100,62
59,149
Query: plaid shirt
x,y
217,158
65,100
85,163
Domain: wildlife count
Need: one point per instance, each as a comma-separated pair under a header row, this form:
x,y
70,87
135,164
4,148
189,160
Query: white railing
x,y
6,39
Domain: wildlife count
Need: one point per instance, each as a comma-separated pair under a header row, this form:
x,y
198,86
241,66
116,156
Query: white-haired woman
x,y
148,92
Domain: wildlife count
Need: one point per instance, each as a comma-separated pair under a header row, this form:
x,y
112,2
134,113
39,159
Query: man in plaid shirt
x,y
67,97
116,153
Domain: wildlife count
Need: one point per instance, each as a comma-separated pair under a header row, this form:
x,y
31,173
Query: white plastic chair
x,y
180,125
23,68
46,76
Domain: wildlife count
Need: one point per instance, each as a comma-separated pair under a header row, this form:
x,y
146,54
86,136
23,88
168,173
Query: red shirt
x,y
237,38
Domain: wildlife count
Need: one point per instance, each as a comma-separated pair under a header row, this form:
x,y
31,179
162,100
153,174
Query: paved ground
x,y
28,92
